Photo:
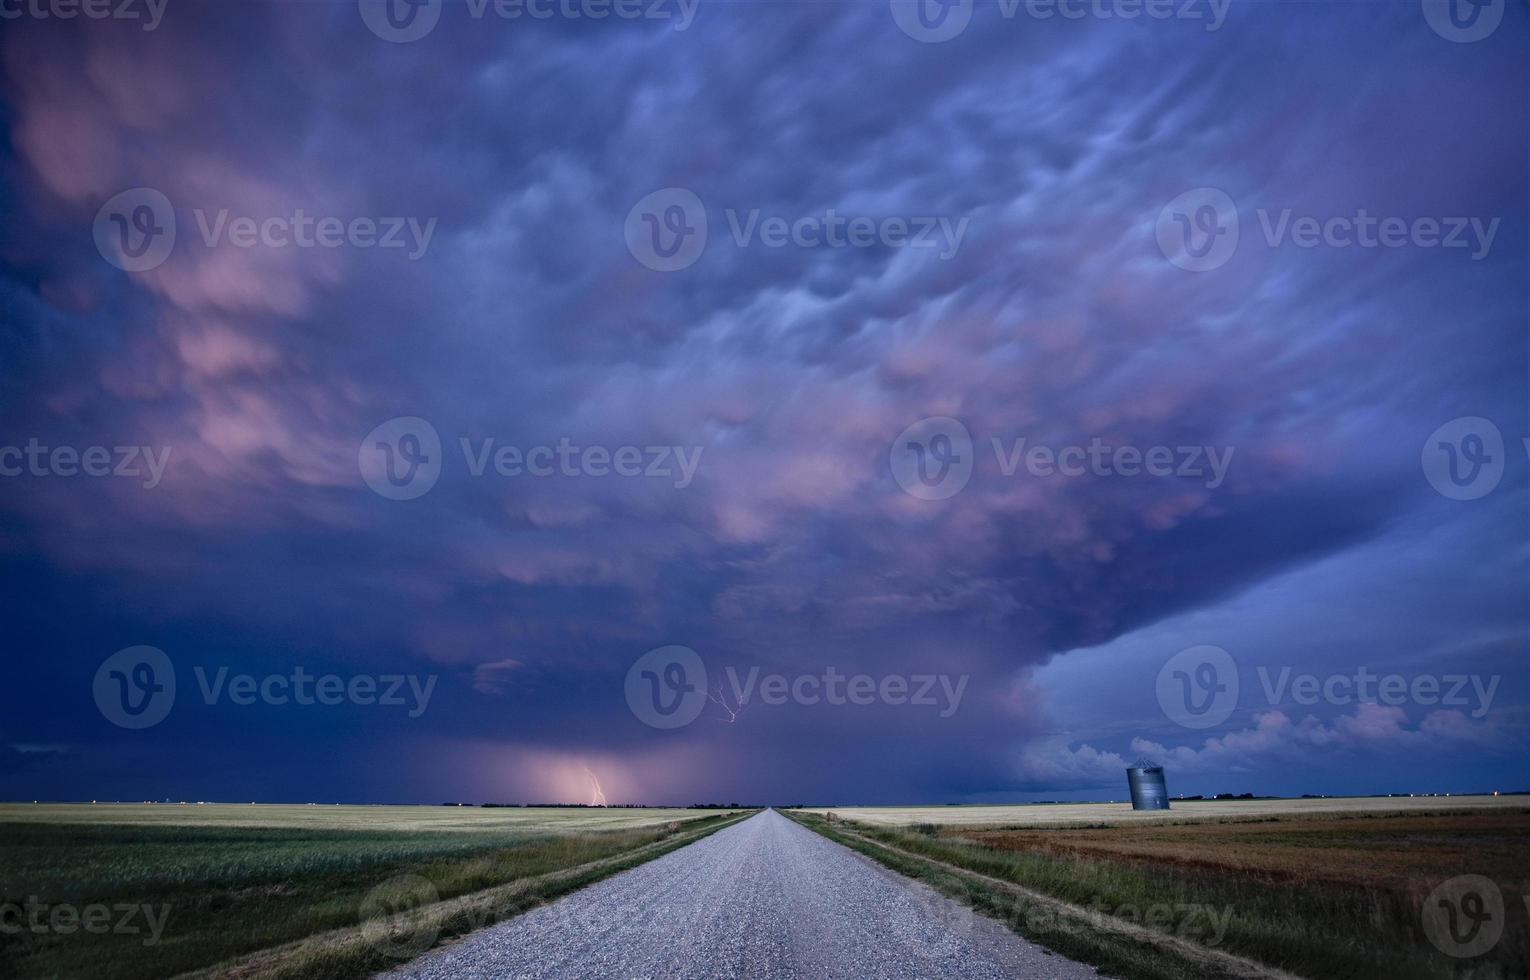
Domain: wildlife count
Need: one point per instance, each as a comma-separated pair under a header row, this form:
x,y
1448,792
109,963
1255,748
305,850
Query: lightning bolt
x,y
721,701
597,796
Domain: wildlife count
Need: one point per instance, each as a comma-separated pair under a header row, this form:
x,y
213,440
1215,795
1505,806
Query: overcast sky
x,y
1270,250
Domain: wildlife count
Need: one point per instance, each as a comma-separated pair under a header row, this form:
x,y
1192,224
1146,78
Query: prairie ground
x,y
1084,814
177,889
1393,852
1345,893
412,819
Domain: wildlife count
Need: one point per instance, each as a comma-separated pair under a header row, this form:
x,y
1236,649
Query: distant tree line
x,y
613,806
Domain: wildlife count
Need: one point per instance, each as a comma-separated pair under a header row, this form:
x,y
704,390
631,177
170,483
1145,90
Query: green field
x,y
327,817
141,891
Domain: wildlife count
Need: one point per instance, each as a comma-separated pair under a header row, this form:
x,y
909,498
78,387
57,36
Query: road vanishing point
x,y
765,898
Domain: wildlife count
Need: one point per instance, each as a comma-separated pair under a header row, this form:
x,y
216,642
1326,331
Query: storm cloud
x,y
784,373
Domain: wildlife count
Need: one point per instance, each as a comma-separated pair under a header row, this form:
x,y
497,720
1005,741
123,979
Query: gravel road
x,y
763,899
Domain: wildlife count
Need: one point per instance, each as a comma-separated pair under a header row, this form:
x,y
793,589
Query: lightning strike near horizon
x,y
597,795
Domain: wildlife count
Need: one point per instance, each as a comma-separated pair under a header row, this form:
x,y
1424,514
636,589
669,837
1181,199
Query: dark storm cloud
x,y
792,369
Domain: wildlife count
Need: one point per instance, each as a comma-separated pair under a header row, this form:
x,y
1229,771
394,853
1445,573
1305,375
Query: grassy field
x,y
317,817
158,891
1286,891
1084,814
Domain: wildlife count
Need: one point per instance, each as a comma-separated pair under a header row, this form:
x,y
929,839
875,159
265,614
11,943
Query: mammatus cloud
x,y
791,370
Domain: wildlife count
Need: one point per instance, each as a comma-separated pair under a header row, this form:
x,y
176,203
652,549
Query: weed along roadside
x,y
1224,898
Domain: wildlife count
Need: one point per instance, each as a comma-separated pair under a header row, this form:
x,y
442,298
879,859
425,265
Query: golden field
x,y
1085,814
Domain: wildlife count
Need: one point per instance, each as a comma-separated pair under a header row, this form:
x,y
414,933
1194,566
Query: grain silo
x,y
1149,792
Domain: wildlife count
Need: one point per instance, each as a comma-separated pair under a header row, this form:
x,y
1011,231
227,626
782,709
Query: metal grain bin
x,y
1149,792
